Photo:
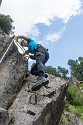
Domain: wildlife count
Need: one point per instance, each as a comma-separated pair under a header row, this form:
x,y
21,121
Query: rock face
x,y
41,108
4,117
24,107
69,118
12,70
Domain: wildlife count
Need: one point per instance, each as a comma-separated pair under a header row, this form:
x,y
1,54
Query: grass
x,y
74,102
78,110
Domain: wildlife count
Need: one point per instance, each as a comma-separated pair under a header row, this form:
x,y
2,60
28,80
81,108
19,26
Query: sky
x,y
57,25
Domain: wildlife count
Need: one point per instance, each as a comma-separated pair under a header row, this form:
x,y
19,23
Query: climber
x,y
41,55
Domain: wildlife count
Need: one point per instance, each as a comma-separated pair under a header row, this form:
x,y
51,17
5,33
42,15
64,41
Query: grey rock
x,y
12,71
4,117
70,118
43,107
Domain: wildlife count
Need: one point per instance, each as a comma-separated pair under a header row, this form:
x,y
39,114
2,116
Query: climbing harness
x,y
14,40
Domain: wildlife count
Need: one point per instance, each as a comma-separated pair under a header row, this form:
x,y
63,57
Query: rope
x,y
5,52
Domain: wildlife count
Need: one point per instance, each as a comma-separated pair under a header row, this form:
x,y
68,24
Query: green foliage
x,y
51,70
76,67
74,96
62,71
6,24
78,110
74,101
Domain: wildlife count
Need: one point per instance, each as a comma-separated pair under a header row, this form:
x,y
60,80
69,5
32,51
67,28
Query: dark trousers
x,y
41,56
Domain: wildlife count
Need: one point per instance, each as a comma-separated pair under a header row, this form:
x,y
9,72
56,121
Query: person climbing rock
x,y
41,55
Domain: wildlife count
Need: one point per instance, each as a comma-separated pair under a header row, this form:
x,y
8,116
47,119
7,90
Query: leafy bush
x,y
74,101
6,24
74,96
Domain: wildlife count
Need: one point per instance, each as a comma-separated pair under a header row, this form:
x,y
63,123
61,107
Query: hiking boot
x,y
40,82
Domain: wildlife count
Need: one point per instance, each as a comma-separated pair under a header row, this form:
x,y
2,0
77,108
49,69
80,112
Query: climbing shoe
x,y
41,81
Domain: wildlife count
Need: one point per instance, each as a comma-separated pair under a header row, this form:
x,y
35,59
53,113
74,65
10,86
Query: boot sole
x,y
38,86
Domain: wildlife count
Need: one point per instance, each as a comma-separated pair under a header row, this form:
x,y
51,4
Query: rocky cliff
x,y
43,107
19,105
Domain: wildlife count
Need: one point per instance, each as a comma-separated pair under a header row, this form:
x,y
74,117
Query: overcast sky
x,y
57,24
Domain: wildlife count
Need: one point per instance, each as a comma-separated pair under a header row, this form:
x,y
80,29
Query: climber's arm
x,y
23,37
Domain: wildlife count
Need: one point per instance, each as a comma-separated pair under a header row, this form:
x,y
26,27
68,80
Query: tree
x,y
6,24
76,67
51,70
62,71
